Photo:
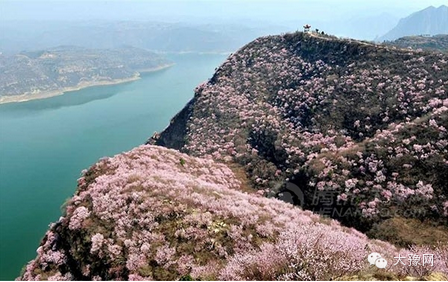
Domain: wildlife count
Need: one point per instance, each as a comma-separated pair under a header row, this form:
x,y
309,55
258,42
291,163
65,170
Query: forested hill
x,y
365,124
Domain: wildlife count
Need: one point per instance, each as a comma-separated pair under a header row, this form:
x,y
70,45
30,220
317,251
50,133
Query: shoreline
x,y
58,92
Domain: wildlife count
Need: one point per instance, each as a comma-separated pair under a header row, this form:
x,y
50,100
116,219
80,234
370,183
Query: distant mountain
x,y
155,36
430,21
46,73
434,43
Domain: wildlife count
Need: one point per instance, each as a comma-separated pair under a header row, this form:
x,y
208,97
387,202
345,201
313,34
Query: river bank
x,y
52,93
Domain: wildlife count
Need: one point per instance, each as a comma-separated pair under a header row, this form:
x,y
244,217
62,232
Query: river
x,y
44,145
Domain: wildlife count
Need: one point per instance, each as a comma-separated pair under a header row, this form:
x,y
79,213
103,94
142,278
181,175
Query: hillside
x,y
154,213
358,129
433,43
40,74
343,128
430,21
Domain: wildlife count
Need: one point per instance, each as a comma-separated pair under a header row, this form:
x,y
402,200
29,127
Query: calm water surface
x,y
44,144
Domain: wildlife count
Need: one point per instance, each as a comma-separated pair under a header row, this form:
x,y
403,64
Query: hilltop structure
x,y
306,28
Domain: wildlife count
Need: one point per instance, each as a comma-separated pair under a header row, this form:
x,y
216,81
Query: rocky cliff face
x,y
360,129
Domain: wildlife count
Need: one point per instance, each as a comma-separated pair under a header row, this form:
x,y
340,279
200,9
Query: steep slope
x,y
430,21
154,213
358,129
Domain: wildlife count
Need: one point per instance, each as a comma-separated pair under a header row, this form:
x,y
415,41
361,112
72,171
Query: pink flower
x,y
342,197
97,242
79,215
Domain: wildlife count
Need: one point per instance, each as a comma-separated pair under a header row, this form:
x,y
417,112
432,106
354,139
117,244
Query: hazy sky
x,y
184,10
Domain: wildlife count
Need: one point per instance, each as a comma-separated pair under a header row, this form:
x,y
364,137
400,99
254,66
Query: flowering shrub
x,y
78,217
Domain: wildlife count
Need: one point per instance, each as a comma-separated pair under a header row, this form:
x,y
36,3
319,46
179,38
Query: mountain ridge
x,y
263,121
148,35
431,21
434,43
